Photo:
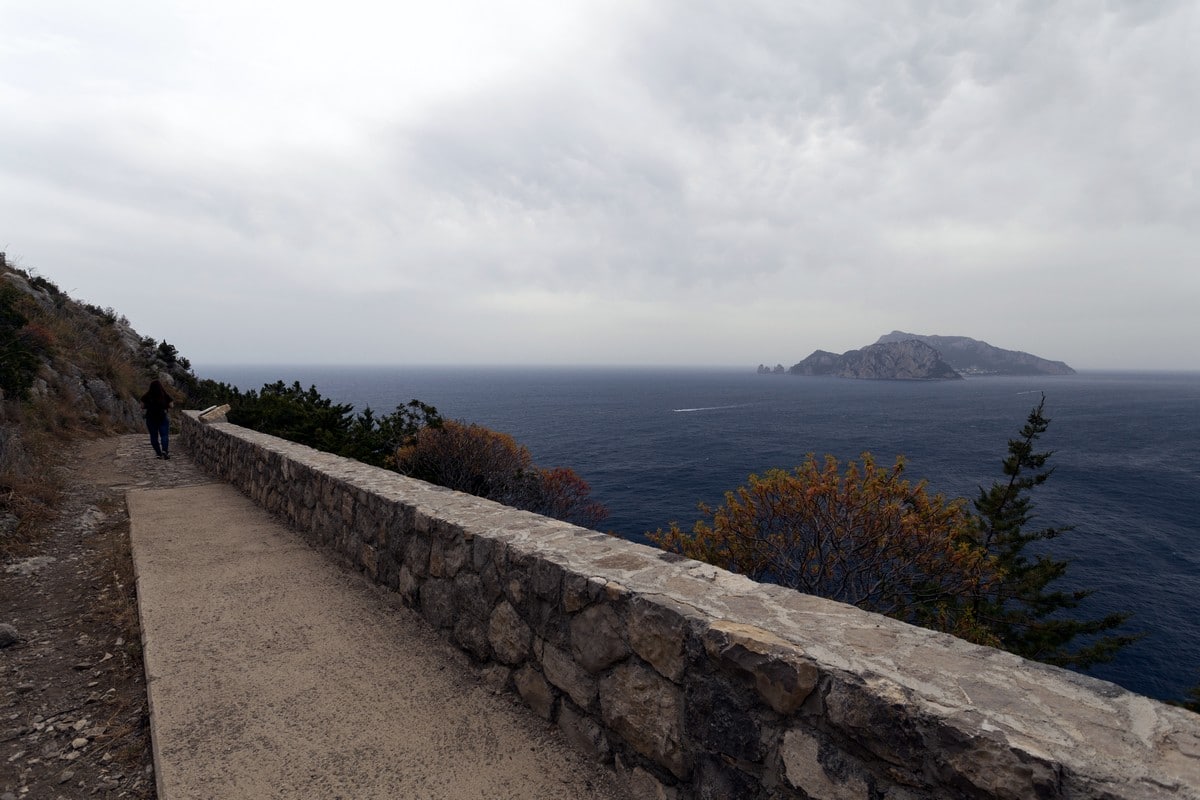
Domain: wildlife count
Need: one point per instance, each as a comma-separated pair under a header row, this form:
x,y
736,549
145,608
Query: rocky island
x,y
972,357
916,357
904,361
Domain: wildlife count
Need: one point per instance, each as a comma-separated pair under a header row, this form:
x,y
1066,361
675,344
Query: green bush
x,y
413,440
307,417
19,346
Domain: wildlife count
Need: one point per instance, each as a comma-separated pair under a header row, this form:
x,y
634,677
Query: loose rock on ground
x,y
73,715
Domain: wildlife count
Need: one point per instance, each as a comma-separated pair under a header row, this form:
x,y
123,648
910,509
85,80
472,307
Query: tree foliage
x,y
1020,610
474,459
306,416
167,352
413,440
21,345
867,537
296,414
870,538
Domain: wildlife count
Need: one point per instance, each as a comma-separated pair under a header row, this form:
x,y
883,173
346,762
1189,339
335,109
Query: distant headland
x,y
917,357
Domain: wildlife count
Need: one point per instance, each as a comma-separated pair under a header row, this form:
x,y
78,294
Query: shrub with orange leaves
x,y
477,460
867,537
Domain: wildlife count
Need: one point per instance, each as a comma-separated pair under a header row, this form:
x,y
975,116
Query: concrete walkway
x,y
274,673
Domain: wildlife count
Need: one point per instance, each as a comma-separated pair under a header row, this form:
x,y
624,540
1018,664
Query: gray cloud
x,y
673,183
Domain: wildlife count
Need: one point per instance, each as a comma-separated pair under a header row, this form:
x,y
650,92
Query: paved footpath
x,y
274,673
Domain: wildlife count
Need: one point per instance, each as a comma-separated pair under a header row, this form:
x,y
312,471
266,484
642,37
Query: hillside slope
x,y
67,370
976,357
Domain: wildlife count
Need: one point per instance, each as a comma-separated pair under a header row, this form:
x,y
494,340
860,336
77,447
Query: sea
x,y
654,443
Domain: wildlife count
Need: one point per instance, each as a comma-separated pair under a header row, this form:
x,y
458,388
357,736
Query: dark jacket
x,y
156,404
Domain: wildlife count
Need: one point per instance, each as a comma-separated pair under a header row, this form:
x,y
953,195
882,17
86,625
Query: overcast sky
x,y
610,182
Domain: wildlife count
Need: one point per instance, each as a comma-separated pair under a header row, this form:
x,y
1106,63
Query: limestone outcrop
x,y
904,361
973,357
88,359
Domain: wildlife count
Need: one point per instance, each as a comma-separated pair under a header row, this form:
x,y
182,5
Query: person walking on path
x,y
156,403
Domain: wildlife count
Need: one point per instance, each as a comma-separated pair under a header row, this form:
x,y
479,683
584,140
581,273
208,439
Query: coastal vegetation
x,y
1020,610
413,440
868,537
864,536
482,462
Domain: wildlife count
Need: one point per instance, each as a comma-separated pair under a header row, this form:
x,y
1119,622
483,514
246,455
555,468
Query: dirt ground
x,y
73,712
74,719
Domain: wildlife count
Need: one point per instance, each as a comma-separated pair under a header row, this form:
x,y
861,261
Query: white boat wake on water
x,y
708,408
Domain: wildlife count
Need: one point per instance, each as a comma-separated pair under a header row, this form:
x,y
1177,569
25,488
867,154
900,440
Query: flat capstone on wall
x,y
693,682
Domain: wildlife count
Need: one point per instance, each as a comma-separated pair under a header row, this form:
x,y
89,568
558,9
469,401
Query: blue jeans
x,y
160,431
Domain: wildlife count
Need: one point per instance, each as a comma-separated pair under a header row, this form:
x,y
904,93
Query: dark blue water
x,y
655,443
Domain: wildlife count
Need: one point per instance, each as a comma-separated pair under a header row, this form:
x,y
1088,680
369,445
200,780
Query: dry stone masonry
x,y
693,682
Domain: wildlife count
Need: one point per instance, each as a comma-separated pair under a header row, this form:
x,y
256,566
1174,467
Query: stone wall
x,y
697,683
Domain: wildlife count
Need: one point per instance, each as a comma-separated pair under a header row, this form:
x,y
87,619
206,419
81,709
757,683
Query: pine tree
x,y
1020,610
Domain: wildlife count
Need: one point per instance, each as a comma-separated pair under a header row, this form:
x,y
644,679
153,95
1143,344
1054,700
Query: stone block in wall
x,y
783,678
646,710
641,785
470,597
985,761
584,733
722,718
546,579
516,566
489,584
717,778
597,638
472,635
437,558
514,589
346,506
370,524
484,552
859,707
969,754
407,585
535,691
437,602
416,554
508,634
495,678
368,559
821,772
324,526
549,621
562,671
447,555
658,633
580,591
328,488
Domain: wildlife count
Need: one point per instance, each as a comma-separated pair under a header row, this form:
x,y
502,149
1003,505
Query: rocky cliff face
x,y
87,362
908,360
971,356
